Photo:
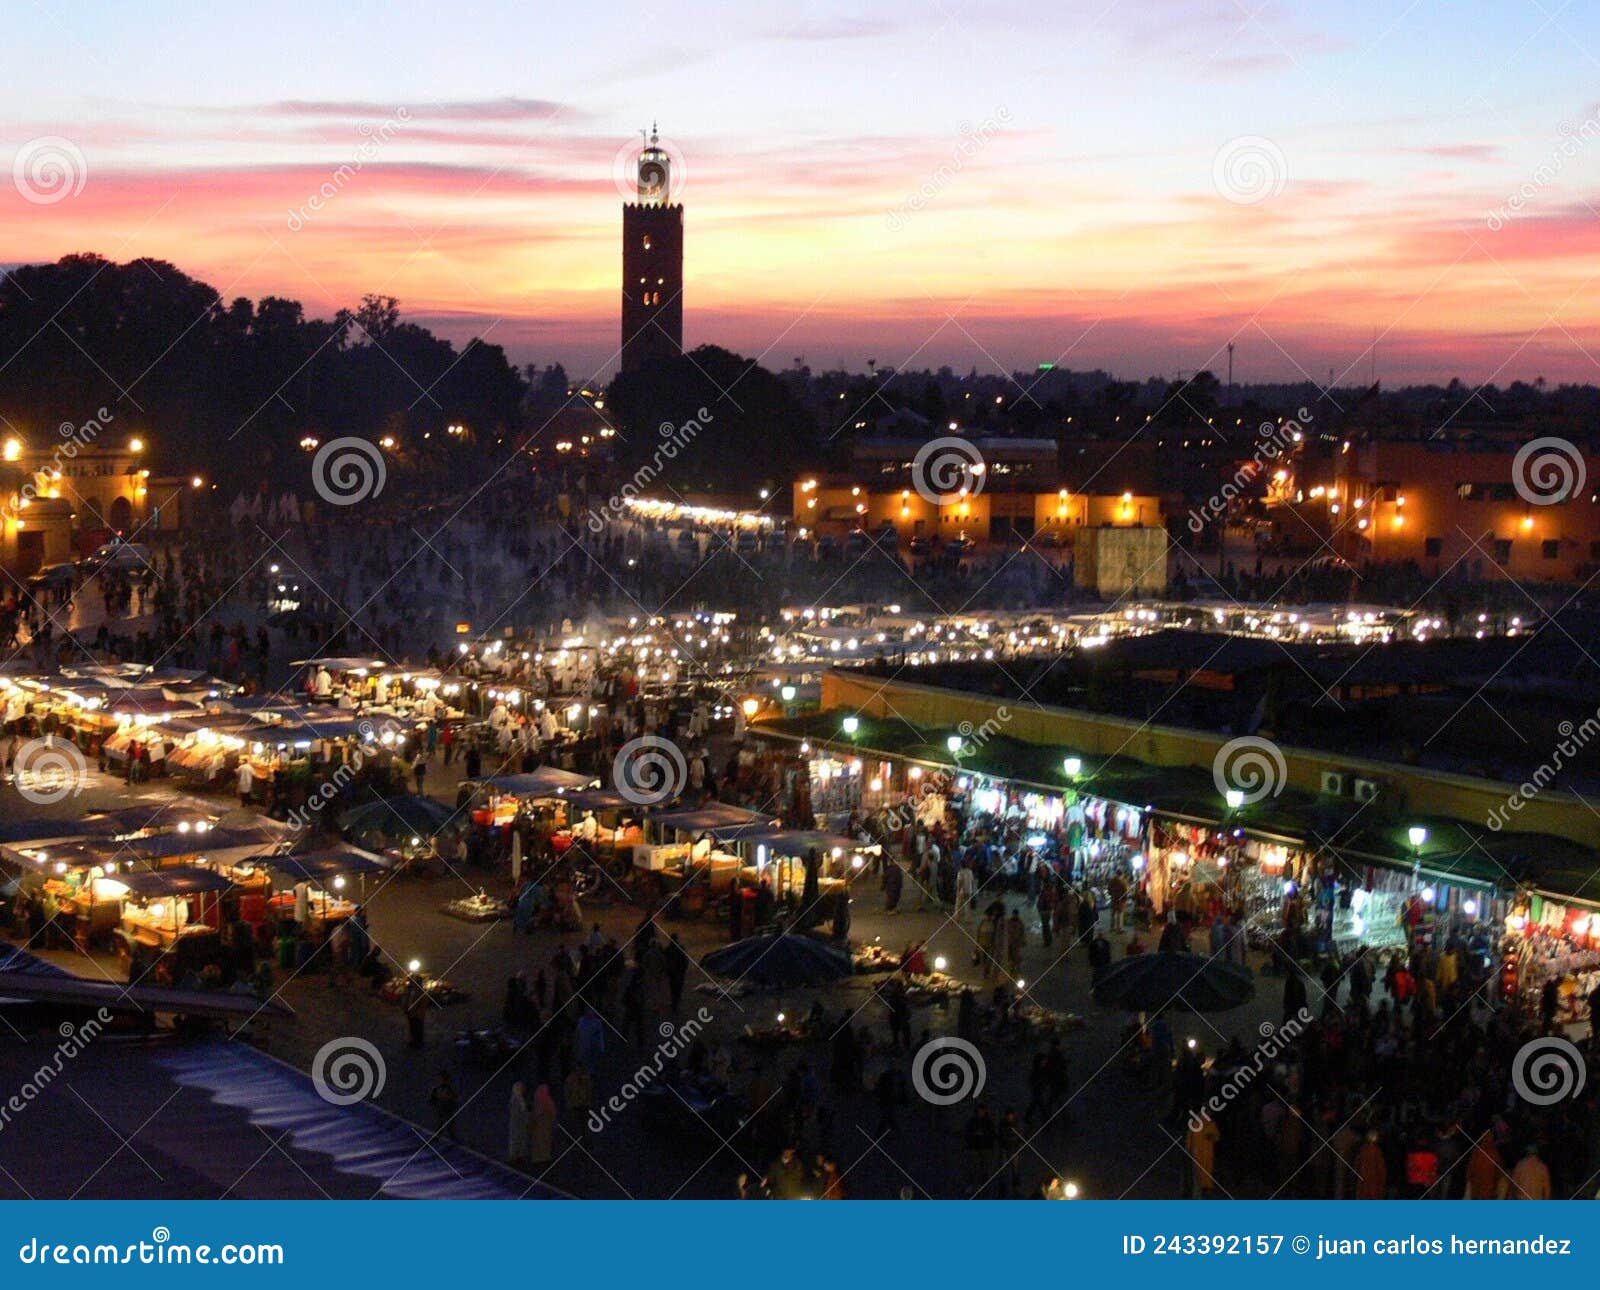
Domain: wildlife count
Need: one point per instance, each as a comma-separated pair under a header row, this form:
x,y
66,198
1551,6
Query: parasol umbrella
x,y
782,961
1193,982
398,816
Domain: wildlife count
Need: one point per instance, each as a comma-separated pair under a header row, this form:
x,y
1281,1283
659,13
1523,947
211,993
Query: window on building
x,y
1433,548
647,241
1552,549
1502,550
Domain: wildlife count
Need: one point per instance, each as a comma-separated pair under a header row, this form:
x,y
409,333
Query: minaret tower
x,y
652,265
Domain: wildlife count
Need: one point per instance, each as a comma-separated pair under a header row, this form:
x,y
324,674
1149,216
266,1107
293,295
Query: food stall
x,y
207,749
73,904
700,843
498,800
170,921
778,857
319,899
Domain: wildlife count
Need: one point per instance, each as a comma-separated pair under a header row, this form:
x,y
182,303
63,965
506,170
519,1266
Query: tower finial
x,y
655,135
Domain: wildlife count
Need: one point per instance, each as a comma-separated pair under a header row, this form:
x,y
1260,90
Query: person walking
x,y
416,1011
542,1129
445,1102
1015,935
519,1125
578,1093
966,888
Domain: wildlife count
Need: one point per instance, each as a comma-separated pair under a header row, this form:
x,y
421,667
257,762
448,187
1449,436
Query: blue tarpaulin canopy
x,y
600,799
398,817
719,819
21,832
209,841
399,1159
180,880
316,866
547,781
796,842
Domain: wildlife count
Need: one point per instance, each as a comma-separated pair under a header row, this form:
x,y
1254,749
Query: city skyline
x,y
1337,175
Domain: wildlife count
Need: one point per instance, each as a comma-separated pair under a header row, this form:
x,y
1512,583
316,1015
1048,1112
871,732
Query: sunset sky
x,y
972,183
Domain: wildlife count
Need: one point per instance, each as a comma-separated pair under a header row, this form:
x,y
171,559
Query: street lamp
x,y
1073,766
850,725
953,743
1417,835
1234,798
787,693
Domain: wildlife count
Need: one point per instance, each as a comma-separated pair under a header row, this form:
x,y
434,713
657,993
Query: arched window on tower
x,y
647,241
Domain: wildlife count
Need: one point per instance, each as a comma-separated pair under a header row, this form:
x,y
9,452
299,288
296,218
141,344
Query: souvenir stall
x,y
1547,940
1105,838
1394,906
836,783
1205,870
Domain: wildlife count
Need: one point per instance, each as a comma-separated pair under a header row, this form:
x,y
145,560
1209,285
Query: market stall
x,y
700,843
170,921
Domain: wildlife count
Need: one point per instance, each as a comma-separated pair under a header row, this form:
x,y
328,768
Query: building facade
x,y
1469,506
59,498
